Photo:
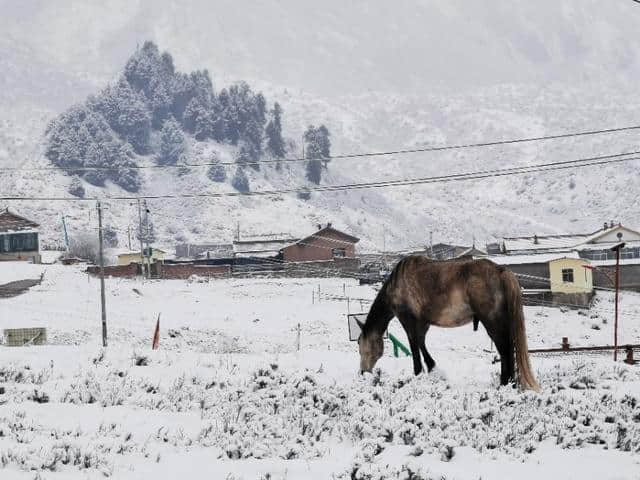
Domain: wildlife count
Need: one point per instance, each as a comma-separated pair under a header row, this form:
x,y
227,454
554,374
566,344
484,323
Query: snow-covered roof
x,y
612,263
610,235
10,232
325,234
583,241
13,223
135,252
546,242
606,245
260,248
532,258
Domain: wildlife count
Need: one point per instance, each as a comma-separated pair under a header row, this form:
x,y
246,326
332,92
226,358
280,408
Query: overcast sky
x,y
335,46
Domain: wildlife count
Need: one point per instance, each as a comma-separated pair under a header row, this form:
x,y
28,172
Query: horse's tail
x,y
513,297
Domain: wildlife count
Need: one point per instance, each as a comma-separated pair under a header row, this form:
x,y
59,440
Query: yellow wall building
x,y
127,258
568,275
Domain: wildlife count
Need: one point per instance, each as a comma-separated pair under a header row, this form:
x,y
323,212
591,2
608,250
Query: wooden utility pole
x,y
148,253
102,295
617,249
140,237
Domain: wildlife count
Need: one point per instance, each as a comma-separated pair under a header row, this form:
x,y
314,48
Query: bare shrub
x,y
84,246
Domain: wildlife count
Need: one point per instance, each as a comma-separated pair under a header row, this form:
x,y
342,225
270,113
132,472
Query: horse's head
x,y
371,348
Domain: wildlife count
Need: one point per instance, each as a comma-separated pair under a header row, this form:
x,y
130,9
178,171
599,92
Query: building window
x,y
339,252
626,253
19,242
567,275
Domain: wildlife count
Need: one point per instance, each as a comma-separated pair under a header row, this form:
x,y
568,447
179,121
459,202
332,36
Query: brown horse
x,y
421,292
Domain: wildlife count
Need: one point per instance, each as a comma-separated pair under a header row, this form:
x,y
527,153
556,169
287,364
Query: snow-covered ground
x,y
228,395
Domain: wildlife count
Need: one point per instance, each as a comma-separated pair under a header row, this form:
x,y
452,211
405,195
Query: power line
x,y
333,157
477,175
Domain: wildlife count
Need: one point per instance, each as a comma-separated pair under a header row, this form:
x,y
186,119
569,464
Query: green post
x,y
397,345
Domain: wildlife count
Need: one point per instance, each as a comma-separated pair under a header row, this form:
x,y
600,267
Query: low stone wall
x,y
127,271
324,268
183,271
551,299
629,277
158,270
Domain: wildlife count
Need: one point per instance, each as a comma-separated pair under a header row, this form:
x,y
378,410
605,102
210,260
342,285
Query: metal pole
x,y
615,325
146,224
102,296
66,235
140,237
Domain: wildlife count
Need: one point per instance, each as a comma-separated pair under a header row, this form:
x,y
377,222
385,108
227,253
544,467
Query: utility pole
x,y
66,235
140,237
148,250
384,245
102,296
617,249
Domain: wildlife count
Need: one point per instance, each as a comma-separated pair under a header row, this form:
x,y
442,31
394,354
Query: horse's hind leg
x,y
431,363
427,358
501,336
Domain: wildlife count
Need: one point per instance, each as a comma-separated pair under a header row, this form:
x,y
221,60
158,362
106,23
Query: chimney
x,y
329,225
319,226
605,226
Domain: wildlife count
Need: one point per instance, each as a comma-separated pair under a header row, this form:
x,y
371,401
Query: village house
x,y
261,247
127,258
445,251
551,277
326,244
19,238
557,266
204,250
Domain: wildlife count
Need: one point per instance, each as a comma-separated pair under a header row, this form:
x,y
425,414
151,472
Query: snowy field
x,y
228,395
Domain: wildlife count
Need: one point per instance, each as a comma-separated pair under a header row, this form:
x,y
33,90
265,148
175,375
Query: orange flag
x,y
156,336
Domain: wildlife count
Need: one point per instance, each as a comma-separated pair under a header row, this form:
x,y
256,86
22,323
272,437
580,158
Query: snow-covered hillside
x,y
382,78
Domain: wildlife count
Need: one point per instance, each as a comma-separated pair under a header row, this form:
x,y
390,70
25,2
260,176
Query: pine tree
x,y
247,155
172,144
76,188
217,173
240,181
152,73
126,112
324,144
146,231
314,153
273,131
318,150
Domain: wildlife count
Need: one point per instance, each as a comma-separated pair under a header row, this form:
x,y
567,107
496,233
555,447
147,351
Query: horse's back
x,y
448,291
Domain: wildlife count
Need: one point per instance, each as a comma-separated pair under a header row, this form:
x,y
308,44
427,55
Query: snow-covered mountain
x,y
382,77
